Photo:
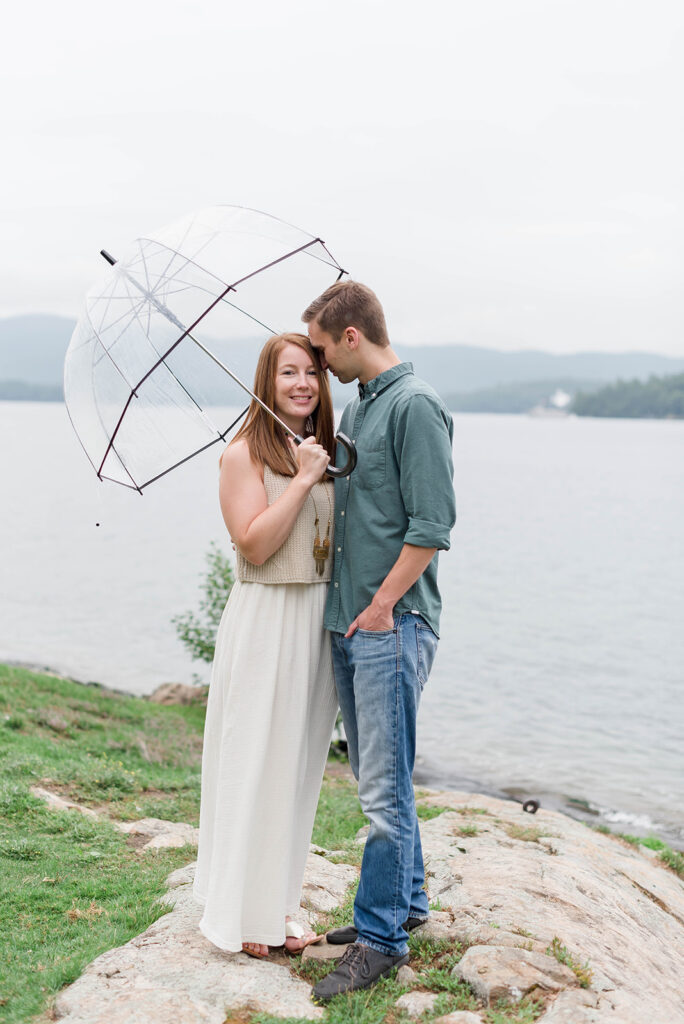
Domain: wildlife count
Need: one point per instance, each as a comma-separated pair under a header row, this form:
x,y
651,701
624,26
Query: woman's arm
x,y
257,528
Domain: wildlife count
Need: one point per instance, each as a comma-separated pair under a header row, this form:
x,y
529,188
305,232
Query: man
x,y
392,515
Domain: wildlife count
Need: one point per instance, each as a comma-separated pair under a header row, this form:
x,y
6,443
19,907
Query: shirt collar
x,y
383,380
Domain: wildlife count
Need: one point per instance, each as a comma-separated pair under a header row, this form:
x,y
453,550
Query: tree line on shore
x,y
655,398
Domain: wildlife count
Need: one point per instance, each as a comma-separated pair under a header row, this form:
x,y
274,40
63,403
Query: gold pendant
x,y
321,549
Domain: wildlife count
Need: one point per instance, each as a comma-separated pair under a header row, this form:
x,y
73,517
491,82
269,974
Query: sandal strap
x,y
294,930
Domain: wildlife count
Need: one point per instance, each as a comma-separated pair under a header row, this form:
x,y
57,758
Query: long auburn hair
x,y
265,437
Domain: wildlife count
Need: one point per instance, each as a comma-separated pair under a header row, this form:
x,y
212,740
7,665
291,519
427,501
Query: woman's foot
x,y
255,949
298,938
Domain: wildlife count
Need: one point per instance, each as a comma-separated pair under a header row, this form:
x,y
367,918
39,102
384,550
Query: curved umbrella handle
x,y
341,471
338,471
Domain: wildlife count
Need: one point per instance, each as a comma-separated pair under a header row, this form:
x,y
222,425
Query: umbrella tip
x,y
110,259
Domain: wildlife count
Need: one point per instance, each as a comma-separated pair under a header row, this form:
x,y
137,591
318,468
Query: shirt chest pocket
x,y
371,467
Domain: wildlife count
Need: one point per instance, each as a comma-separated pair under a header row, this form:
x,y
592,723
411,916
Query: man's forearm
x,y
409,567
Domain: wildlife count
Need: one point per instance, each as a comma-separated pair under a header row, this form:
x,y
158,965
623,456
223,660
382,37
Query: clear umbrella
x,y
141,380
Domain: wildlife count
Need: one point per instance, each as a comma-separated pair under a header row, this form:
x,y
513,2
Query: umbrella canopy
x,y
141,386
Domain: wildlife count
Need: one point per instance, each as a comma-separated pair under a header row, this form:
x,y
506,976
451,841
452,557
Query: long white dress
x,y
270,715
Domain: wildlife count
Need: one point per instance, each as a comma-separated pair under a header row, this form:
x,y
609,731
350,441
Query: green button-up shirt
x,y
401,492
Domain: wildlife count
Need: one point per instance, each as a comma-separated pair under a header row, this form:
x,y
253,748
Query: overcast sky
x,y
506,173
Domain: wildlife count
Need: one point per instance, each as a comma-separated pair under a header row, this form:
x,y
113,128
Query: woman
x,y
272,703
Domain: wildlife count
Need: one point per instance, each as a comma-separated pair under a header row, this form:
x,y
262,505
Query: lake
x,y
560,673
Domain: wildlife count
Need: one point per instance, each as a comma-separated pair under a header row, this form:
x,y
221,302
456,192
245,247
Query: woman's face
x,y
296,385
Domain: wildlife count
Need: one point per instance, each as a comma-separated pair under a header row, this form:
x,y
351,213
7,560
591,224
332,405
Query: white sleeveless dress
x,y
270,714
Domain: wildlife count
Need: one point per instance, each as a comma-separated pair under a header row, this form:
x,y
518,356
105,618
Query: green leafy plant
x,y
198,632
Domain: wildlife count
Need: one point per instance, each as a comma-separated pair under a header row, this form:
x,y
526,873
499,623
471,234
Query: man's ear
x,y
351,336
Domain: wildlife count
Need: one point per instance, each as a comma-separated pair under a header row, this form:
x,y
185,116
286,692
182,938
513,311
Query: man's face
x,y
335,356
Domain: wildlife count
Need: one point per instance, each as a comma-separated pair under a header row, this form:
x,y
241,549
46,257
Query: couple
x,y
374,607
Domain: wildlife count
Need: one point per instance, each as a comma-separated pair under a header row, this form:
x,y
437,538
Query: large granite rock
x,y
545,876
498,973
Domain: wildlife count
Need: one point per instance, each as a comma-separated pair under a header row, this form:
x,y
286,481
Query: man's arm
x,y
409,566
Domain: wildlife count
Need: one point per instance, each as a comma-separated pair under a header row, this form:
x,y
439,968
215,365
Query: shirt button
x,y
373,395
339,549
337,584
342,512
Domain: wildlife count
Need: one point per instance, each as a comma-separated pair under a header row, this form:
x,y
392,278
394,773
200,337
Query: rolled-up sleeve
x,y
423,438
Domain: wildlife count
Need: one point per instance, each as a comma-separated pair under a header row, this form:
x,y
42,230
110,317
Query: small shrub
x,y
198,632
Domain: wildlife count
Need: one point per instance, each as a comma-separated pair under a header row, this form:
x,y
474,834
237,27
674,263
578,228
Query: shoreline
x,y
432,775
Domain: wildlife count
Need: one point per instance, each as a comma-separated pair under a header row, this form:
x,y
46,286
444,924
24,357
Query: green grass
x,y
583,972
672,859
525,833
427,811
467,830
58,908
525,1012
339,816
97,747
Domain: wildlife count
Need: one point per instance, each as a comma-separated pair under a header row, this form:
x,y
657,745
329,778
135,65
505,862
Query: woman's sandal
x,y
294,930
254,951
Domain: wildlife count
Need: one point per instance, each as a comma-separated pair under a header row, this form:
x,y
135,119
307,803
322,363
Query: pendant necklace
x,y
321,548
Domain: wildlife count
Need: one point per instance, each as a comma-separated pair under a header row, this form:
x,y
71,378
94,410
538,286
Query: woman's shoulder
x,y
236,457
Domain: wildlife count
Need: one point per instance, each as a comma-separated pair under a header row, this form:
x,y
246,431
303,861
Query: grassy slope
x,y
58,907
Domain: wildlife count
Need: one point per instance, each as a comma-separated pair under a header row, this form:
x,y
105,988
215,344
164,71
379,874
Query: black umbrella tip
x,y
110,259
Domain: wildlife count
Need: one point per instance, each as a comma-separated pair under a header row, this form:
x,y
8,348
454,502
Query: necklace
x,y
321,548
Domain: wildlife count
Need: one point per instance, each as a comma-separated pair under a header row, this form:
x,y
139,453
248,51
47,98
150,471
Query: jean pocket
x,y
426,642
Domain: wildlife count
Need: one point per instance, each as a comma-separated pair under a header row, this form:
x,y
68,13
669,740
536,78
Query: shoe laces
x,y
355,959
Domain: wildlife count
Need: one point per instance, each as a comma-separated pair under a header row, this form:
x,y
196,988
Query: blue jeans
x,y
379,678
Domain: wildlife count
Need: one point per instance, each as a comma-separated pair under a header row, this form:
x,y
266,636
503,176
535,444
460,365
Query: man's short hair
x,y
349,304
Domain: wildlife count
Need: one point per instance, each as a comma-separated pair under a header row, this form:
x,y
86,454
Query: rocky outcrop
x,y
179,693
514,880
544,904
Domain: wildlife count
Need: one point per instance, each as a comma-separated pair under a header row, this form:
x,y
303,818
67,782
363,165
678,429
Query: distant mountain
x,y
20,391
32,350
521,396
460,368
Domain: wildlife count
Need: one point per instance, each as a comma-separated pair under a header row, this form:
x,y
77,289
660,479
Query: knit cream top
x,y
293,562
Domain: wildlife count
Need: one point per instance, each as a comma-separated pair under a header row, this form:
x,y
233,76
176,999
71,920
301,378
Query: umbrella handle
x,y
350,464
338,471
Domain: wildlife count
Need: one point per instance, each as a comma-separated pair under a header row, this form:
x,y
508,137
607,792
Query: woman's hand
x,y
312,459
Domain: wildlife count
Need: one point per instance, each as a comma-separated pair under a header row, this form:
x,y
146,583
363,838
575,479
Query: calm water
x,y
561,668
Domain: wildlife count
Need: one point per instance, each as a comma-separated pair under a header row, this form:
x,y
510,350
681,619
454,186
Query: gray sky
x,y
505,173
